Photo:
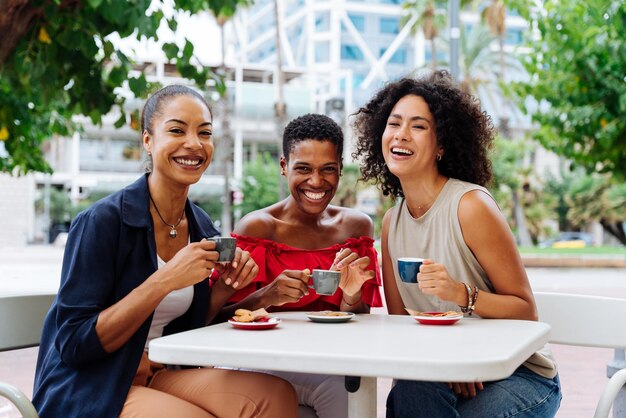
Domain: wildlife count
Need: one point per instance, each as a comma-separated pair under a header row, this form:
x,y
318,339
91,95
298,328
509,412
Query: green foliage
x,y
512,176
586,199
60,209
86,203
556,189
348,186
386,204
522,7
224,10
211,205
594,197
508,171
430,16
259,184
577,68
583,198
65,64
616,196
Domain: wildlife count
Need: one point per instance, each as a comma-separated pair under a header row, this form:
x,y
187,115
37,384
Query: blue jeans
x,y
525,394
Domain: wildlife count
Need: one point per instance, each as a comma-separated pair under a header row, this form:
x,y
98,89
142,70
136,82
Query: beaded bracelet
x,y
473,302
468,308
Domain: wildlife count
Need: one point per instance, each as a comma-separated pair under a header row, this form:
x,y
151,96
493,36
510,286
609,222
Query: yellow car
x,y
575,243
569,239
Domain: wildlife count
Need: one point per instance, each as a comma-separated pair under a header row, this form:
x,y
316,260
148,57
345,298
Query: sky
x,y
201,29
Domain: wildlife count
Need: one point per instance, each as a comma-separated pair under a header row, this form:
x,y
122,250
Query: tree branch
x,y
16,19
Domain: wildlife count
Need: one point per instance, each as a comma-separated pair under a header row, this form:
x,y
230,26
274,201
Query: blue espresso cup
x,y
408,267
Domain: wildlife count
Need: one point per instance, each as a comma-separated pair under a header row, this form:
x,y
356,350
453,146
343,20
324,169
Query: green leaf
x,y
117,75
121,121
171,50
138,85
187,50
172,24
94,3
108,48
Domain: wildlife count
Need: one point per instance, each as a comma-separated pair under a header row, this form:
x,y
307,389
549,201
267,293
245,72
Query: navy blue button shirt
x,y
109,252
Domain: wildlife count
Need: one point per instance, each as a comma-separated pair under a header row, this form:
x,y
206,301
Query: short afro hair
x,y
312,126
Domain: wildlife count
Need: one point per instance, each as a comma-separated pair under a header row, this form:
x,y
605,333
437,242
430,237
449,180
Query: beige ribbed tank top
x,y
437,235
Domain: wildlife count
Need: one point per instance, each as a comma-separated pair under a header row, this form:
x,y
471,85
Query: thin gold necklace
x,y
173,233
427,206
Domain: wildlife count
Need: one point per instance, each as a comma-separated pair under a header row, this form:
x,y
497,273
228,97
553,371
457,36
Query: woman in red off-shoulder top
x,y
273,258
304,232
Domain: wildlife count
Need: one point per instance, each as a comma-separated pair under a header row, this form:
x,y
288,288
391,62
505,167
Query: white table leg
x,y
362,403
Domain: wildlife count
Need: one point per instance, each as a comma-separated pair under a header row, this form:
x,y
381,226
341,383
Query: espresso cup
x,y
225,246
408,267
325,282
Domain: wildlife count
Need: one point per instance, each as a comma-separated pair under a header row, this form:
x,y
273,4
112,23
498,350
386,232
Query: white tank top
x,y
171,307
437,235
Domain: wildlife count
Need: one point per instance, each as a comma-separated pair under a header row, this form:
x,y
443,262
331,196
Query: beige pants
x,y
157,392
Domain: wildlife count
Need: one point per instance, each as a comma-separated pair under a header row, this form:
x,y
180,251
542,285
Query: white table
x,y
369,346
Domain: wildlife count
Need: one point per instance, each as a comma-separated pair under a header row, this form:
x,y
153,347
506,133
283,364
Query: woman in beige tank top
x,y
426,142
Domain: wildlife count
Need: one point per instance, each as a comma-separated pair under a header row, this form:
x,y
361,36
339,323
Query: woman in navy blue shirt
x,y
135,267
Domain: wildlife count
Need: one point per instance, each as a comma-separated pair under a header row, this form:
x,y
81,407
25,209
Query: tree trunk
x,y
280,108
226,145
504,115
431,32
523,236
616,229
433,60
16,19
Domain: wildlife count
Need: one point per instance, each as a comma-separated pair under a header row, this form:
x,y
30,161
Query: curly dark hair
x,y
464,131
312,126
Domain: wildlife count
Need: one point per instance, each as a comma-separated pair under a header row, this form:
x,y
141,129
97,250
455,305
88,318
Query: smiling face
x,y
312,170
180,139
409,141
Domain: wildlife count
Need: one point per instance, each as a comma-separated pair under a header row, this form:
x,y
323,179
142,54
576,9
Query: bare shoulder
x,y
476,205
257,224
480,217
359,223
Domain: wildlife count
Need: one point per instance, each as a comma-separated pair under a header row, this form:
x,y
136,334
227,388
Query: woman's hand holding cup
x,y
239,272
192,264
289,286
434,279
353,271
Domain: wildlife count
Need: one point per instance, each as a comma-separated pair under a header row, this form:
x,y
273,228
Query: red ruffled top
x,y
273,258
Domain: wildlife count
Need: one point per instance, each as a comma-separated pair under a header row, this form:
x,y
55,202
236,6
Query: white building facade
x,y
335,54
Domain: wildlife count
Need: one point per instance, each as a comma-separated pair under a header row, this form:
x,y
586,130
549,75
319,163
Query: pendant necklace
x,y
173,234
